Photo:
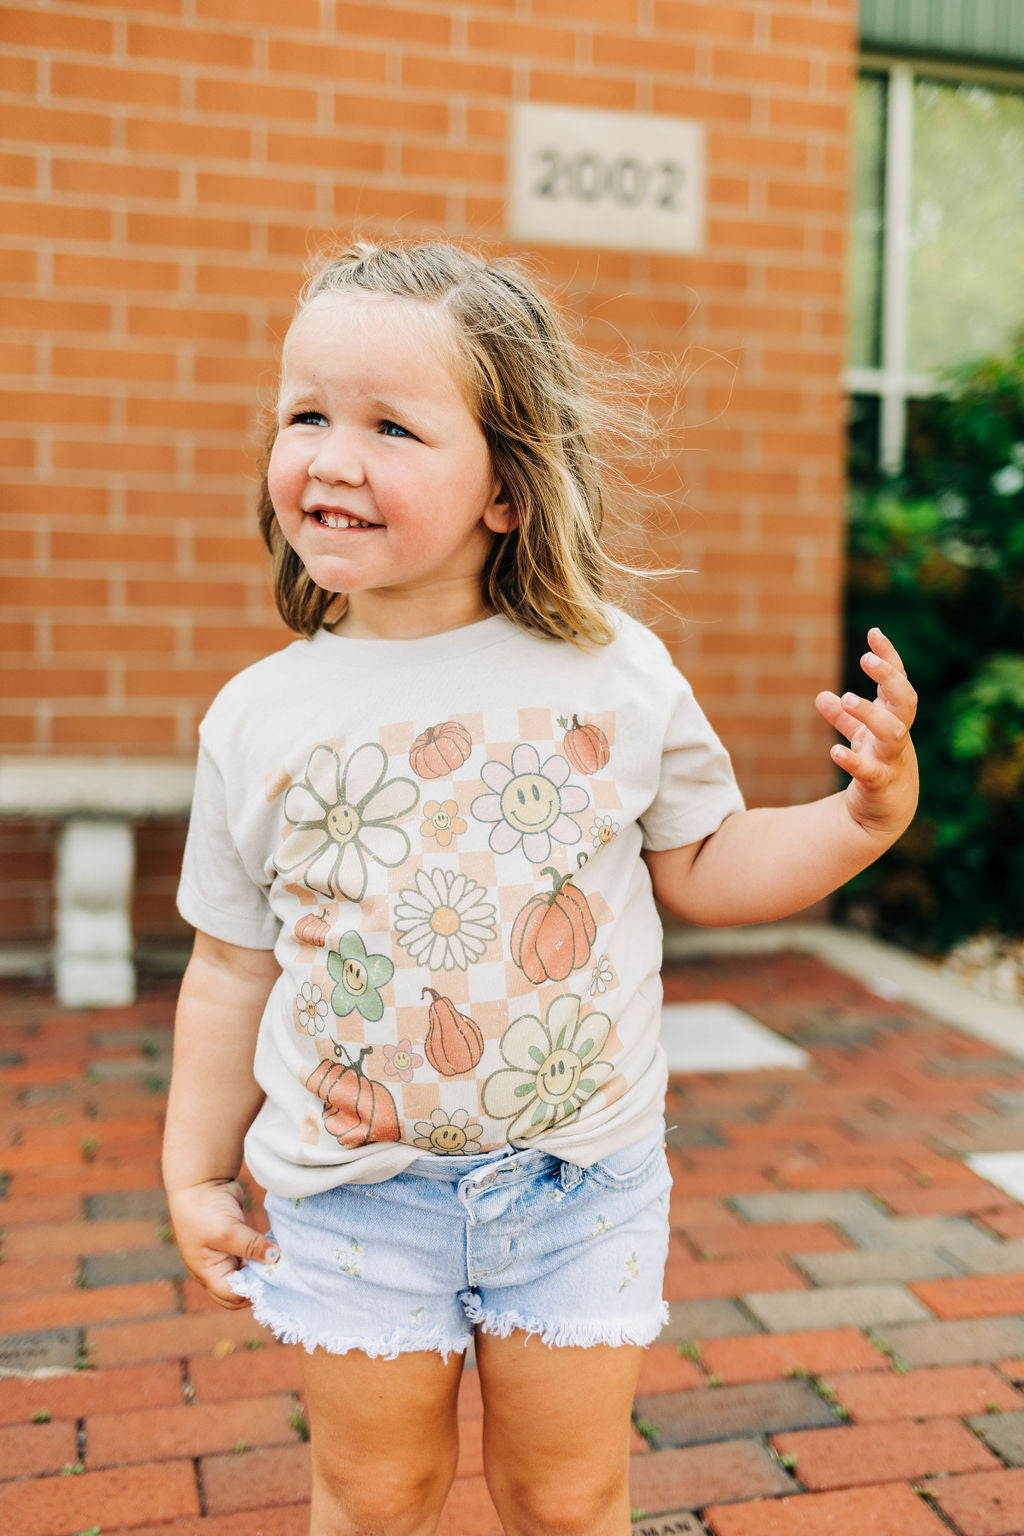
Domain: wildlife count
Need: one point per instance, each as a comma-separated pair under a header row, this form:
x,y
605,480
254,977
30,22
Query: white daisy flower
x,y
603,830
529,802
602,976
341,817
444,923
311,1009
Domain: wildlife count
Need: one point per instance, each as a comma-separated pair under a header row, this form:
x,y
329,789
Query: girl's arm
x,y
213,1101
765,864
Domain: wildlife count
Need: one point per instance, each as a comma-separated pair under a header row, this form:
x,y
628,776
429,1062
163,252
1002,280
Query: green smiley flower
x,y
359,978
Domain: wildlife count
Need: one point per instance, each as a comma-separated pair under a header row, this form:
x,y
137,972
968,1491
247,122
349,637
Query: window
x,y
937,244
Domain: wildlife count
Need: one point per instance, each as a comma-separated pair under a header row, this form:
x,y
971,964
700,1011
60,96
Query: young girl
x,y
422,862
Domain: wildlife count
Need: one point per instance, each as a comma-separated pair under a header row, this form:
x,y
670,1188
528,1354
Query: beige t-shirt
x,y
440,839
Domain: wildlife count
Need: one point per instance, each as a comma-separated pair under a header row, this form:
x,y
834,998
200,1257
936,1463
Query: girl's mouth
x,y
338,519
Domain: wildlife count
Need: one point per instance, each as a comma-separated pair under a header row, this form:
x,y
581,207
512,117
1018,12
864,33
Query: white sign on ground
x,y
617,180
718,1037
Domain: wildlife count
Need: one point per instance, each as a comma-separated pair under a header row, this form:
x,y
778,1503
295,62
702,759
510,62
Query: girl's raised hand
x,y
882,793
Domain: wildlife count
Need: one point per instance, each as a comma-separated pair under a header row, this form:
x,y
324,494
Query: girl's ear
x,y
499,515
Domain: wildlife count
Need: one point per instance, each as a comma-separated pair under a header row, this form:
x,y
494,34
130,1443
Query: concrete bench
x,y
95,801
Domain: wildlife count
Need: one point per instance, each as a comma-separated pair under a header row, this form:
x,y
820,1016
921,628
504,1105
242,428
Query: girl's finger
x,y
869,771
882,646
885,724
894,687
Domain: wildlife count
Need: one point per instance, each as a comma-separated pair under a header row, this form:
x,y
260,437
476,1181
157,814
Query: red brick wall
x,y
166,166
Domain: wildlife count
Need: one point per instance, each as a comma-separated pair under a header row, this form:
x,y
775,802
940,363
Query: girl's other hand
x,y
881,762
213,1237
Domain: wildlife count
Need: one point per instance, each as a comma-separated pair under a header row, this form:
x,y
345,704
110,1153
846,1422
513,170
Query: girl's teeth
x,y
339,520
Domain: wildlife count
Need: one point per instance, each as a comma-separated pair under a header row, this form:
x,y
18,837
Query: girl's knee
x,y
393,1498
565,1504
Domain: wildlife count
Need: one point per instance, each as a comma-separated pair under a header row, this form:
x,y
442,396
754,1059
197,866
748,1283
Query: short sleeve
x,y
697,789
216,893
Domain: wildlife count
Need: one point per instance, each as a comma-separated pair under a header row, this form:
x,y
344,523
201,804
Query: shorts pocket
x,y
631,1165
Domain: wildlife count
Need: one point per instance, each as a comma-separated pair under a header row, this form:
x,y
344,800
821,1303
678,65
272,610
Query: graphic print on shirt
x,y
554,932
444,922
459,897
552,1068
440,749
529,802
340,817
356,1109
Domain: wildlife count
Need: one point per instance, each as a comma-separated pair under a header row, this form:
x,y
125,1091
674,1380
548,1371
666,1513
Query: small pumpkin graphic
x,y
554,932
440,749
313,928
586,746
454,1043
356,1109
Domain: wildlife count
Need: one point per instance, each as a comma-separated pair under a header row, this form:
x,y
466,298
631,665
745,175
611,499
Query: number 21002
x,y
588,177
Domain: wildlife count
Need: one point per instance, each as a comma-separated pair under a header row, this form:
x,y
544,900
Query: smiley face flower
x,y
529,803
341,817
401,1060
448,1134
359,978
552,1068
603,830
442,822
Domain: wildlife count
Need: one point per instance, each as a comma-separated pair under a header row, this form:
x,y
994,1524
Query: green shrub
x,y
938,562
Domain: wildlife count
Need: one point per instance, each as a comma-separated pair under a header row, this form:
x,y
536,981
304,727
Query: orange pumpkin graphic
x,y
440,749
553,933
454,1043
586,746
356,1109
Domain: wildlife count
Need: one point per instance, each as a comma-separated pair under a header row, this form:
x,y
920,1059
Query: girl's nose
x,y
337,460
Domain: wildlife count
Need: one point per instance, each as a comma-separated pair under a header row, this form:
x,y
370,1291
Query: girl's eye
x,y
306,419
392,429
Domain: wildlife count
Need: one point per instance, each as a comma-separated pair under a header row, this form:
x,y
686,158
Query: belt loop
x,y
571,1174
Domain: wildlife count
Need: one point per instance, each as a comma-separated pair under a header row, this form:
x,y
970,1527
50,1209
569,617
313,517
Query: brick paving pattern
x,y
845,1355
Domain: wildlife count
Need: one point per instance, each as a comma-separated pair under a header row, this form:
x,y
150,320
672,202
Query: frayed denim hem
x,y
289,1331
641,1331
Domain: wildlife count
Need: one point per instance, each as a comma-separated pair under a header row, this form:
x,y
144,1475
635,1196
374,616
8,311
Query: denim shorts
x,y
502,1241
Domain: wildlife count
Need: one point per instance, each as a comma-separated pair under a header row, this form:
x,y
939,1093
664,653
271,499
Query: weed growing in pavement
x,y
85,1349
992,1408
713,1381
93,1530
690,1348
297,1420
789,1461
156,1084
647,1429
637,1514
149,1048
165,1234
254,1343
241,1448
899,1366
72,1469
89,1147
42,1416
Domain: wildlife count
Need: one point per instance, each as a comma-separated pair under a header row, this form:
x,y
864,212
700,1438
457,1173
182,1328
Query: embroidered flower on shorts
x,y
350,1259
442,822
448,1134
341,817
400,1060
552,1068
311,1009
443,923
602,976
529,802
631,1271
359,978
603,830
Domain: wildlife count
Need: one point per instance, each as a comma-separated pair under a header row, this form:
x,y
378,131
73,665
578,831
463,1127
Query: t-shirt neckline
x,y
449,643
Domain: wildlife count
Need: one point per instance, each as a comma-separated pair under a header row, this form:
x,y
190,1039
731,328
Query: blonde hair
x,y
527,385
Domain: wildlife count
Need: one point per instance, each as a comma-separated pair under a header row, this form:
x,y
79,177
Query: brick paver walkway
x,y
846,1351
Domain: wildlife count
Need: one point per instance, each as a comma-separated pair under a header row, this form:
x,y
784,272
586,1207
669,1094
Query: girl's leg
x,y
556,1434
384,1439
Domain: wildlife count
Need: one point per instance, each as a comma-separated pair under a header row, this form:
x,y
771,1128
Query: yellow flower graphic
x,y
442,822
552,1068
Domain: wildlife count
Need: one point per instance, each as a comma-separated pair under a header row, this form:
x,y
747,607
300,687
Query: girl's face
x,y
380,475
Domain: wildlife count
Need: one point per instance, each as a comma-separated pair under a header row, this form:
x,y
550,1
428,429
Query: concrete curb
x,y
883,967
